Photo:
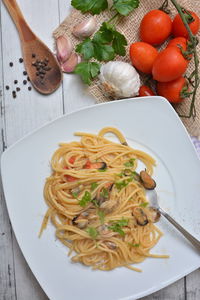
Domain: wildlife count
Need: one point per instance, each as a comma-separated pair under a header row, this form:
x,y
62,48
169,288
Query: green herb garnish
x,y
94,201
94,7
85,199
121,184
94,185
75,195
93,233
104,193
117,226
134,245
124,7
101,215
87,71
130,163
144,204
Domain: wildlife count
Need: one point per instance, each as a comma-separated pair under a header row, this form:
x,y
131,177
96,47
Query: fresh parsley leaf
x,y
94,185
87,71
104,193
134,245
105,34
121,184
101,215
144,204
86,48
95,202
117,226
102,170
124,7
119,43
75,195
129,163
85,199
94,7
93,233
103,52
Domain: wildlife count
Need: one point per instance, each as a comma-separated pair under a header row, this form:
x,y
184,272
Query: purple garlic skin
x,y
69,65
85,28
64,48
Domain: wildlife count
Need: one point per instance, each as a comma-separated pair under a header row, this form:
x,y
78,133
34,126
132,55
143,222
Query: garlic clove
x,y
71,63
64,48
85,28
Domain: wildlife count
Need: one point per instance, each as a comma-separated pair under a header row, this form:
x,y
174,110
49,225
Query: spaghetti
x,y
97,202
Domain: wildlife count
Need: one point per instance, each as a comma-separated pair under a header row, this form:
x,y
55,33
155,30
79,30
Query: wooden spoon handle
x,y
24,30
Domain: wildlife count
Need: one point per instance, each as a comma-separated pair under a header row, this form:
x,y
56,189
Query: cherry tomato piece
x,y
172,90
179,29
142,56
155,27
145,91
169,65
178,42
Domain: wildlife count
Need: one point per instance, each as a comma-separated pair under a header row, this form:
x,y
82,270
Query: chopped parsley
x,y
130,163
87,197
101,215
104,193
134,245
144,204
93,233
94,185
75,195
117,226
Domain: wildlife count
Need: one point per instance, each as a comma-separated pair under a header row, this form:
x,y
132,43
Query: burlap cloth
x,y
129,27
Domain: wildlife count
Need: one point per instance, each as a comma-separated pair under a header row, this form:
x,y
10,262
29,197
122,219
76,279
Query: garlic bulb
x,y
64,48
69,65
85,28
119,79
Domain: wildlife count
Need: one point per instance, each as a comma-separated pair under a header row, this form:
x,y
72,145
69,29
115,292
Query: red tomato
x,y
169,65
70,178
72,159
178,28
172,90
142,56
177,42
145,91
155,27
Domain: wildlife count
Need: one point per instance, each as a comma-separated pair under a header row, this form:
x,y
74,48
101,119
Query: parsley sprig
x,y
87,197
122,7
107,42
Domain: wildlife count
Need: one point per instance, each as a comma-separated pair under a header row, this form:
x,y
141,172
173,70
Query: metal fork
x,y
153,199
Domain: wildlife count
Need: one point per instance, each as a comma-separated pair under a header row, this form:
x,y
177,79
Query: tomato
x,y
145,91
178,28
70,178
155,27
72,159
172,90
169,65
177,42
142,56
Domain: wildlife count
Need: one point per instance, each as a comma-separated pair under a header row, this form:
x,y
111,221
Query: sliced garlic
x,y
71,63
64,48
85,28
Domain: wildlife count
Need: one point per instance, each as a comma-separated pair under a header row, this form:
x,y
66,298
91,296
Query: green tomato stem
x,y
194,41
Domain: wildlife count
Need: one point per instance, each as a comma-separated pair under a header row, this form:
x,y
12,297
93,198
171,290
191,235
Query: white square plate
x,y
149,124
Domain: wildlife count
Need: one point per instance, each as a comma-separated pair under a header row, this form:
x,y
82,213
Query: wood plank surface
x,y
27,112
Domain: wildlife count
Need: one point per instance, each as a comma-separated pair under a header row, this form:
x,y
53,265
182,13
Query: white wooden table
x,y
27,112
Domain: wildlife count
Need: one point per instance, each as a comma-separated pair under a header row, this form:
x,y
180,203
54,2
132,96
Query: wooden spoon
x,y
41,65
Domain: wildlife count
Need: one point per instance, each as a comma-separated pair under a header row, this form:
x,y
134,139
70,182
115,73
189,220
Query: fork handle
x,y
24,30
186,234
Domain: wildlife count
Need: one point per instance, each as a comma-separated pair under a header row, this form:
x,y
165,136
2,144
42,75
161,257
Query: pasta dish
x,y
96,199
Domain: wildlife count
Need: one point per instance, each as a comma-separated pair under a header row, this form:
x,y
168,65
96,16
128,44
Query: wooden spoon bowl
x,y
40,63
